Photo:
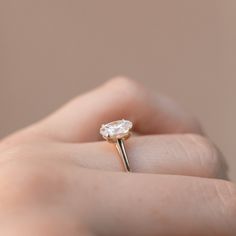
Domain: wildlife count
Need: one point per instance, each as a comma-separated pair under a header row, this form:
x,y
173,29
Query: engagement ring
x,y
117,132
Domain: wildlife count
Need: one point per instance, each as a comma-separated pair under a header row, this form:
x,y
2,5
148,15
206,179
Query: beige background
x,y
51,51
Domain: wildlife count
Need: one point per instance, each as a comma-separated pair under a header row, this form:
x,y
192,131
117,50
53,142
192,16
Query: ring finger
x,y
186,154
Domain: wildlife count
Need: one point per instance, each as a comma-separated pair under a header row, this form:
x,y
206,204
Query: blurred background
x,y
53,50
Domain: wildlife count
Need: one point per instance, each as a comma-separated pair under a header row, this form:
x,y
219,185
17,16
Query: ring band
x,y
121,149
116,132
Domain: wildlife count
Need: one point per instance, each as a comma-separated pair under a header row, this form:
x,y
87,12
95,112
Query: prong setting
x,y
115,130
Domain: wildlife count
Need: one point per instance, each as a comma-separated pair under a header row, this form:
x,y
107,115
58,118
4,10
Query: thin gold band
x,y
122,152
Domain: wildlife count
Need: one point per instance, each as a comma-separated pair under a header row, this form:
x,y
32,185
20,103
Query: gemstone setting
x,y
119,129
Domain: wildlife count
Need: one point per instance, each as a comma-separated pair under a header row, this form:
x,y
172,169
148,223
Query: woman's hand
x,y
57,178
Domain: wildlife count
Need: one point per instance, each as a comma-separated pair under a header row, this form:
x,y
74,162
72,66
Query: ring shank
x,y
121,149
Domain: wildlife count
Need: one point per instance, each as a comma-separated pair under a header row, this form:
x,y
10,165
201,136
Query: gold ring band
x,y
121,149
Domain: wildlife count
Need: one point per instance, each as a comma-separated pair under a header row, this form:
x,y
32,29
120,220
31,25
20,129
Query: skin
x,y
57,177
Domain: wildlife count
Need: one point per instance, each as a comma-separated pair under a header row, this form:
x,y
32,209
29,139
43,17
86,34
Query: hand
x,y
57,178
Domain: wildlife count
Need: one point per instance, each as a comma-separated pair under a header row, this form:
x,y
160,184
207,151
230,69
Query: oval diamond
x,y
116,129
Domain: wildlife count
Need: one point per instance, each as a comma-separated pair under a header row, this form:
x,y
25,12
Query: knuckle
x,y
122,81
208,155
123,87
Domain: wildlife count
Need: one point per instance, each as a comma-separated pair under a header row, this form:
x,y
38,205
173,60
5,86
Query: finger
x,y
158,205
80,119
187,154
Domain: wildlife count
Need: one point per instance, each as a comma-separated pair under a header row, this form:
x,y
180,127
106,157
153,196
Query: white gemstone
x,y
116,129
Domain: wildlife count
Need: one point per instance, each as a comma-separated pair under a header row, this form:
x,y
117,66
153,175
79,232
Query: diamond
x,y
116,129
